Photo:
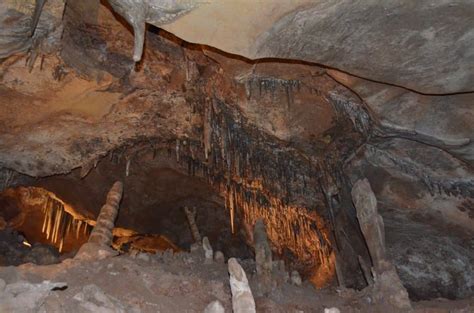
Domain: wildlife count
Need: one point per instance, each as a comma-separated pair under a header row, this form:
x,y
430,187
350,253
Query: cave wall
x,y
263,134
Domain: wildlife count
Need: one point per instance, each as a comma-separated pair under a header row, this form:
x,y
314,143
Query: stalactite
x,y
58,223
261,179
272,85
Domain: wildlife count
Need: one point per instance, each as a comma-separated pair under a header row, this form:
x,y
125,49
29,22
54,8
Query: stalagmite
x,y
208,252
98,246
371,223
219,257
263,253
387,286
102,232
191,216
214,307
296,278
242,298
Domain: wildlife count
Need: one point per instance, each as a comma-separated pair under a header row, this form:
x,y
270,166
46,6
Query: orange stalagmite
x,y
102,232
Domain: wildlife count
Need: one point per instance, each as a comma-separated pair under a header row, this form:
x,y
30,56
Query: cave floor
x,y
167,282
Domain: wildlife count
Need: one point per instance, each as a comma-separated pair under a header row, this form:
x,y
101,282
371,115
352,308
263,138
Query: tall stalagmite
x,y
242,298
263,253
98,246
371,223
102,232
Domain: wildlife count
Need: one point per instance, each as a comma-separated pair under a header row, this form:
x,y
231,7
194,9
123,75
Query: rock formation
x,y
156,12
387,286
101,236
370,222
25,297
214,307
208,252
260,113
242,298
191,216
263,253
102,232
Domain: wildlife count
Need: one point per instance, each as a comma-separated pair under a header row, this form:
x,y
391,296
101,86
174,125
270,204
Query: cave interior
x,y
343,131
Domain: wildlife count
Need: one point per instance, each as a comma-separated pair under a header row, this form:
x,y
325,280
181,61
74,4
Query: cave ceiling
x,y
304,97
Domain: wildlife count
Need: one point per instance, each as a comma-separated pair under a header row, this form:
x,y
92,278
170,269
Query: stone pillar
x,y
387,287
371,223
263,253
102,232
98,246
242,298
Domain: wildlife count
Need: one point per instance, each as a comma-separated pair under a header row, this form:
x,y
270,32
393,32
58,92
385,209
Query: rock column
x,y
102,232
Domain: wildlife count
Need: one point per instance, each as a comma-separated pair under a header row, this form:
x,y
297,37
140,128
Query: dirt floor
x,y
167,282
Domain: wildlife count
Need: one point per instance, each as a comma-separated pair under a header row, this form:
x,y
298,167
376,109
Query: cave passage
x,y
141,165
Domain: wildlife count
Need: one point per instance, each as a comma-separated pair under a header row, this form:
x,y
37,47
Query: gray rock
x,y
25,297
219,257
93,299
214,307
296,278
364,38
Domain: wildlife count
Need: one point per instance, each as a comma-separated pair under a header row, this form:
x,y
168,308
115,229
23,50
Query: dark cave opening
x,y
151,217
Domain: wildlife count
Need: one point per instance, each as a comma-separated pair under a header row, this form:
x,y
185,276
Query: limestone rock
x,y
389,289
242,298
93,251
219,257
102,232
26,297
93,299
214,307
296,278
370,221
208,252
263,253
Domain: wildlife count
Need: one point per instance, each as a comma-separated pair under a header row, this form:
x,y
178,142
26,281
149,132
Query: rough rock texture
x,y
263,253
161,282
371,223
274,139
396,43
100,239
139,12
30,25
242,298
102,232
25,297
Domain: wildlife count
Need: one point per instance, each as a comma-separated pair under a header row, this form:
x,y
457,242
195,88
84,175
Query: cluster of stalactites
x,y
58,223
260,179
290,227
272,85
